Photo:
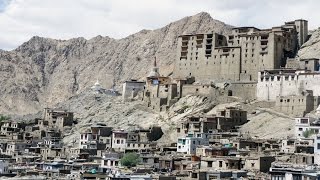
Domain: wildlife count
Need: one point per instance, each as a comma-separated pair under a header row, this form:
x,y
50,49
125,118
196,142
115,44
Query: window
x,y
300,129
145,160
220,162
252,164
318,146
178,130
209,163
156,160
304,121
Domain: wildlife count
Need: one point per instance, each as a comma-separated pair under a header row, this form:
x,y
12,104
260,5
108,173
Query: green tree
x,y
307,133
4,118
130,159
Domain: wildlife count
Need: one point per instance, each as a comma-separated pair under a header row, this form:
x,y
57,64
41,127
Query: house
x,y
15,147
53,167
4,167
110,161
212,151
119,140
305,126
258,163
88,140
288,145
188,144
57,118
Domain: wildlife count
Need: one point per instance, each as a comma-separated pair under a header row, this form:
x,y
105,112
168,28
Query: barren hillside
x,y
44,71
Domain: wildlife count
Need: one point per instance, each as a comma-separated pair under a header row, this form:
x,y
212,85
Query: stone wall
x,y
244,90
202,90
297,105
130,89
268,88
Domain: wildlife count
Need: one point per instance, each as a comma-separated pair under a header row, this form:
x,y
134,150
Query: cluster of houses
x,y
206,147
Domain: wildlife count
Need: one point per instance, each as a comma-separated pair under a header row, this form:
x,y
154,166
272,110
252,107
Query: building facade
x,y
241,55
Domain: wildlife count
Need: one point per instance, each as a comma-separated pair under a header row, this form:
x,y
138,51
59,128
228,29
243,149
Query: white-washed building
x,y
188,144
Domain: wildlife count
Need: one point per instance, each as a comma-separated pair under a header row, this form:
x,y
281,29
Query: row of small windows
x,y
215,56
245,61
288,100
286,78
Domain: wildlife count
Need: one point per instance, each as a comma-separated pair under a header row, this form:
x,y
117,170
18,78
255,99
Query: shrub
x,y
307,133
130,160
4,118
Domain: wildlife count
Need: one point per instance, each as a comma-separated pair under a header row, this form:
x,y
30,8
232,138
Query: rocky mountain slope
x,y
90,108
43,71
311,48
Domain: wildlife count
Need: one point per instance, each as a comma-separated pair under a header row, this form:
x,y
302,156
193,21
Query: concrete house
x,y
304,124
119,140
188,144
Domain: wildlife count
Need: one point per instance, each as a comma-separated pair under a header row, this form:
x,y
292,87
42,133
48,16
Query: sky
x,y
64,19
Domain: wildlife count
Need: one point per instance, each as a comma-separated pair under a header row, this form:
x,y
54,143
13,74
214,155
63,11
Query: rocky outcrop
x,y
311,48
44,71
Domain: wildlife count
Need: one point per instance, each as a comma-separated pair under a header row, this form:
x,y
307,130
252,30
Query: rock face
x,y
43,71
310,49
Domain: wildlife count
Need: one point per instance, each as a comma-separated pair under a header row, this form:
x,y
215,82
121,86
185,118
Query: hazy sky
x,y
64,19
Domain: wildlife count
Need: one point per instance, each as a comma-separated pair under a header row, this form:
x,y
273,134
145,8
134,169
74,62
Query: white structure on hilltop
x,y
155,70
96,87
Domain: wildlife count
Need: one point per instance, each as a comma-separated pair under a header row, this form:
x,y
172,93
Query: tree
x,y
4,118
307,133
130,159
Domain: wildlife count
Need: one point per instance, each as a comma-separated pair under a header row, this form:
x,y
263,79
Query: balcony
x,y
183,54
184,49
185,40
208,51
200,36
264,46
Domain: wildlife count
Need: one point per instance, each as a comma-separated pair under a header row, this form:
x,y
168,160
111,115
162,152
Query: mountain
x,y
44,71
310,49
